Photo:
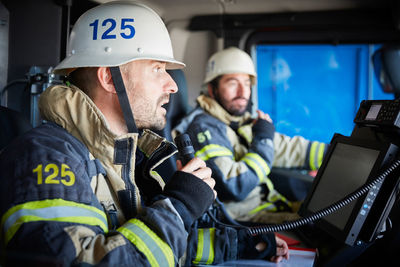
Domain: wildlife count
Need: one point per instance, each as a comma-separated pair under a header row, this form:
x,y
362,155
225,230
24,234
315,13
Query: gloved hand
x,y
278,201
275,202
189,195
247,245
263,127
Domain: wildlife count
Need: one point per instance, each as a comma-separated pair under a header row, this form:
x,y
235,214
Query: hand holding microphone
x,y
189,163
198,167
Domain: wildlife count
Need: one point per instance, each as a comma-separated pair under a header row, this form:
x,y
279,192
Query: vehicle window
x,y
315,90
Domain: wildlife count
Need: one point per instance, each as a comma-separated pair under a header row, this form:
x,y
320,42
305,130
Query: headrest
x,y
178,105
12,124
386,61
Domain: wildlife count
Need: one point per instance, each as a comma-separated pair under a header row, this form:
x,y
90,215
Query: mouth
x,y
164,102
242,101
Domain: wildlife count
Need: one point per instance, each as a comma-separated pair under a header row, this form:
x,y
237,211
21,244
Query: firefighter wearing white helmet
x,y
229,61
84,190
241,149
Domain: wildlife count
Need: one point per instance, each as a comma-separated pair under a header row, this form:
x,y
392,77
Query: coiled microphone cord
x,y
258,230
186,152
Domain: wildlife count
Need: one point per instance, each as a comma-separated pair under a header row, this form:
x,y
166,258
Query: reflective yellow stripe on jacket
x,y
244,134
205,246
316,155
51,210
258,164
157,252
270,205
212,151
266,206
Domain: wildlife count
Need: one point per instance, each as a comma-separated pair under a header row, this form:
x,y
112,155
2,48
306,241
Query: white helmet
x,y
228,61
115,33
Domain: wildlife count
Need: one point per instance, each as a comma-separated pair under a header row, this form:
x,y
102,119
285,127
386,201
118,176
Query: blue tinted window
x,y
315,90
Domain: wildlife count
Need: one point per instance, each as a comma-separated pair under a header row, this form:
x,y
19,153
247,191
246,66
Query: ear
x,y
210,90
105,79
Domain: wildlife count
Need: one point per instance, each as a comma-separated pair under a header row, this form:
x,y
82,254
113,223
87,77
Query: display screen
x,y
373,112
348,169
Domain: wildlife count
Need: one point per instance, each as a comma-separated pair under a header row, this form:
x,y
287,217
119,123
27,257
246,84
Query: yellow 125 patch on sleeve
x,y
54,174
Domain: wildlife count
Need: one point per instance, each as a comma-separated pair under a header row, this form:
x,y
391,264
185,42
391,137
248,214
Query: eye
x,y
232,83
158,69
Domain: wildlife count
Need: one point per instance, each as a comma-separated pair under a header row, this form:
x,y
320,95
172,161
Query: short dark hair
x,y
84,78
214,83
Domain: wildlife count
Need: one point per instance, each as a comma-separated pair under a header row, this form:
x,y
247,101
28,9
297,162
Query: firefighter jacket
x,y
74,193
241,154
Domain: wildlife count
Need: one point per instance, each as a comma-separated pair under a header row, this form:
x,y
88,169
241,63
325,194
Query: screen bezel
x,y
331,229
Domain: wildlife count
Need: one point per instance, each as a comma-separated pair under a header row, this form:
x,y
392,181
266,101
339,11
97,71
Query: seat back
x,y
12,124
177,108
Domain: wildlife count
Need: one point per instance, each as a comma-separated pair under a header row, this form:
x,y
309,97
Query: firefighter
x,y
241,150
82,189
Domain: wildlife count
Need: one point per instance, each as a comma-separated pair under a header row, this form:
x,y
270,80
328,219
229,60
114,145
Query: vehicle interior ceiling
x,y
198,28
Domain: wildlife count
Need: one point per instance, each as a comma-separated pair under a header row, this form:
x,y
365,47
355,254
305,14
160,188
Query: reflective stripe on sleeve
x,y
271,204
157,252
316,155
51,210
155,174
258,164
267,206
205,246
212,151
321,151
243,133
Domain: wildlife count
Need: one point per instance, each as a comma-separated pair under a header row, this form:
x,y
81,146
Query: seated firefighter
x,y
81,188
241,150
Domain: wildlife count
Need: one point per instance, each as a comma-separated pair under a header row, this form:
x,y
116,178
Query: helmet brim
x,y
69,64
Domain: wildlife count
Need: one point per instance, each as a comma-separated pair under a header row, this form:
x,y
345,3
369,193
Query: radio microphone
x,y
185,148
186,153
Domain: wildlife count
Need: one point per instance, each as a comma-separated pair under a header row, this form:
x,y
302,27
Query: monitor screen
x,y
348,169
349,164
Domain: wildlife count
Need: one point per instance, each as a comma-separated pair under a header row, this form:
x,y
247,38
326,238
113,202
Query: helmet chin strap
x,y
123,99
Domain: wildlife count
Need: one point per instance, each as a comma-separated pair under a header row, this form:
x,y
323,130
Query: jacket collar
x,y
212,107
72,109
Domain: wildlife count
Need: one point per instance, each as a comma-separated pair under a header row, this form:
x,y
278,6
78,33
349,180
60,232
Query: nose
x,y
241,89
171,86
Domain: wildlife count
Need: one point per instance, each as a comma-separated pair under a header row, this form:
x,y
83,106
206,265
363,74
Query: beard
x,y
147,117
231,108
158,124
